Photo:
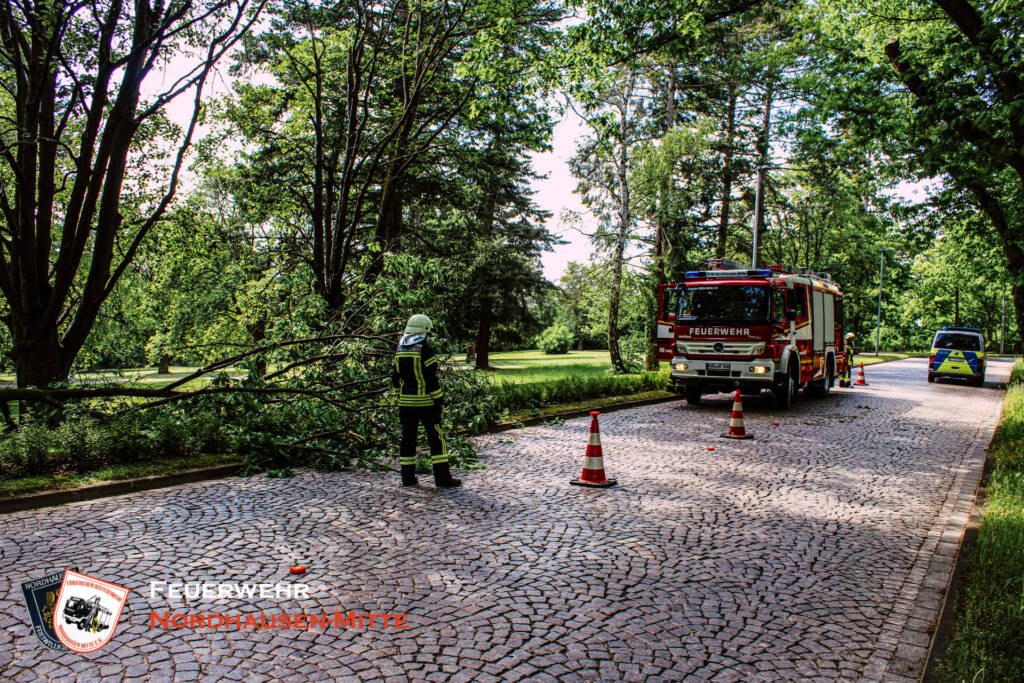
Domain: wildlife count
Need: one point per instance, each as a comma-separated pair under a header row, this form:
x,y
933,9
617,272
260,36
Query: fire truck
x,y
726,327
88,615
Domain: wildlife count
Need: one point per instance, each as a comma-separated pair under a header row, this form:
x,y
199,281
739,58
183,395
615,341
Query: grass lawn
x,y
144,376
988,642
536,366
532,383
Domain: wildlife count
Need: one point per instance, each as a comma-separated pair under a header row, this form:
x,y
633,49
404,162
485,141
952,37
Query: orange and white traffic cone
x,y
593,461
736,430
860,377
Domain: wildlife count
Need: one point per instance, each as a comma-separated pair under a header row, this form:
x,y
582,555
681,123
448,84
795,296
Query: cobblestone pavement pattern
x,y
819,550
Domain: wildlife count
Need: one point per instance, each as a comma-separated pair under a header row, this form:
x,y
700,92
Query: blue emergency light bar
x,y
952,328
726,274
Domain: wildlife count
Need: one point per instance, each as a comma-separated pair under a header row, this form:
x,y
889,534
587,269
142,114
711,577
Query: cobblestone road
x,y
819,550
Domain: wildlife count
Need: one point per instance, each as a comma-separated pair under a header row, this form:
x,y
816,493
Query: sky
x,y
554,193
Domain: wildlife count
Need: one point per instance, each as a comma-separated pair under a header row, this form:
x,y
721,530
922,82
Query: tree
x,y
365,100
602,165
75,208
945,83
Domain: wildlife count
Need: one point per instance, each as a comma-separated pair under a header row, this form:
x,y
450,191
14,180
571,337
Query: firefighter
x,y
414,374
846,379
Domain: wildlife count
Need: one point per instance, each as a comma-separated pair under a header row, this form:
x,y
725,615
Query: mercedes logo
x,y
719,347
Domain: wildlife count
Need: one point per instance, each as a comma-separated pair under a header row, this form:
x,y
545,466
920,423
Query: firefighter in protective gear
x,y
414,374
846,380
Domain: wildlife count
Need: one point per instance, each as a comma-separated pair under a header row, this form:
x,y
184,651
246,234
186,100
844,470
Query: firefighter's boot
x,y
409,475
443,476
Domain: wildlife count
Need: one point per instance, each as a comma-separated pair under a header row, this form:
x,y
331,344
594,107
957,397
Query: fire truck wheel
x,y
824,387
785,389
693,395
931,376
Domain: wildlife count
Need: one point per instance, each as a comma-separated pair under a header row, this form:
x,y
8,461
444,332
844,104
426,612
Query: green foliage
x,y
988,644
555,339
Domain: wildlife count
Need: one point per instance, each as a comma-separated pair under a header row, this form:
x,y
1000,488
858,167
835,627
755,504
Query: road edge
x,y
569,414
106,489
945,624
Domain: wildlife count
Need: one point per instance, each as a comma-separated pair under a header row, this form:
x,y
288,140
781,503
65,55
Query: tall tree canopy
x,y
89,162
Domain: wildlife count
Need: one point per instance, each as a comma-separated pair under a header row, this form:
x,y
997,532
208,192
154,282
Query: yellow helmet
x,y
418,324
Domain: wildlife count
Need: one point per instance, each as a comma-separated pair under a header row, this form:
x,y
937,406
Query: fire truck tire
x,y
693,395
822,387
785,389
931,376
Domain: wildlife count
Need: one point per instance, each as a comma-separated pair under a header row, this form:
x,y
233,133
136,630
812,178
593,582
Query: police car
x,y
959,353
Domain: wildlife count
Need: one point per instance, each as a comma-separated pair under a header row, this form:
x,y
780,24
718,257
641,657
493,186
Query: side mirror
x,y
790,314
671,317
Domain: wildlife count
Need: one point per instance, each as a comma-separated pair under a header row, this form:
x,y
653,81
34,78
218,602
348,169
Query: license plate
x,y
718,366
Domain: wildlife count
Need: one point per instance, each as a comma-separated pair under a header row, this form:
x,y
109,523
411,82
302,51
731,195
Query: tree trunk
x,y
1018,304
730,134
614,352
763,149
483,335
39,360
390,226
164,365
658,263
487,213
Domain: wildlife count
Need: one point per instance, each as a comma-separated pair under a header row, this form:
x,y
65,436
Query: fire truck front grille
x,y
728,348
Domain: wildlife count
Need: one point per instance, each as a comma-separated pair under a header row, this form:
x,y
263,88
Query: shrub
x,y
570,389
555,339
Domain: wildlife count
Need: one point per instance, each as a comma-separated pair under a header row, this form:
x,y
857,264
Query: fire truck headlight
x,y
758,349
680,347
680,366
758,369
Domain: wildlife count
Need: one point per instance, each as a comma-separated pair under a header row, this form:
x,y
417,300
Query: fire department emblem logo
x,y
86,612
41,599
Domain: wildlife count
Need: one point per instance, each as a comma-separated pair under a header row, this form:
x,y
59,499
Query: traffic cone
x,y
860,377
736,430
593,461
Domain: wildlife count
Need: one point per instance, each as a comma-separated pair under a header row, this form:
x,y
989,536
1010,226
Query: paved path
x,y
817,551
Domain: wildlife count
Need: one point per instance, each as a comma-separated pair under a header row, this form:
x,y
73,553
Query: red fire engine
x,y
728,327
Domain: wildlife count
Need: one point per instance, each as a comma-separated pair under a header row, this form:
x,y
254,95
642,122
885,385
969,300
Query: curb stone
x,y
117,487
505,426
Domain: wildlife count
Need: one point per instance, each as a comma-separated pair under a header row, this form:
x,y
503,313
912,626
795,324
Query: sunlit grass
x,y
527,367
143,376
988,643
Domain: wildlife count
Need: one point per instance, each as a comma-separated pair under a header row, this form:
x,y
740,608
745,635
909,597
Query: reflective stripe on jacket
x,y
414,373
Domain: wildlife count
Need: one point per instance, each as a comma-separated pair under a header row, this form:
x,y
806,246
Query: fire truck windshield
x,y
724,303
